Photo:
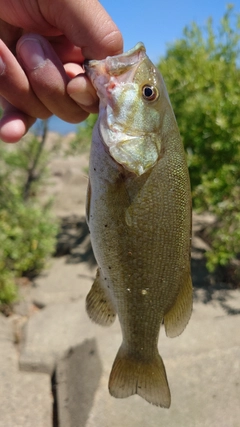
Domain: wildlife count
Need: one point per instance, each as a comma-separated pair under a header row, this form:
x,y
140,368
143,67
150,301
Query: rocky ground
x,y
54,363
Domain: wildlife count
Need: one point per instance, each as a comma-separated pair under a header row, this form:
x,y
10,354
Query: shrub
x,y
202,74
27,228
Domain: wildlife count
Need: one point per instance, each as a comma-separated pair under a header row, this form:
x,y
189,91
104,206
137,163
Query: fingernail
x,y
2,66
31,53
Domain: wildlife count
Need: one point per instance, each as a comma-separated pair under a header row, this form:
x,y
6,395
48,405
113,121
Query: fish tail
x,y
133,376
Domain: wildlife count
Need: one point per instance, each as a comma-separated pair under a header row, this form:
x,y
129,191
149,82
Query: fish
x,y
138,211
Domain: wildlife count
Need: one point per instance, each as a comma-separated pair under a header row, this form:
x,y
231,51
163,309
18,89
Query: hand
x,y
43,44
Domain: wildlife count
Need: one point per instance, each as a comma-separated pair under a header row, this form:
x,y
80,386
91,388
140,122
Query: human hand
x,y
37,69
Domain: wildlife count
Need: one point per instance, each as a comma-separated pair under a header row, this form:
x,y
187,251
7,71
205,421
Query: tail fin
x,y
147,379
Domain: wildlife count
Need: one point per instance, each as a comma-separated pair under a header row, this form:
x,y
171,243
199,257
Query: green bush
x,y
202,74
27,228
27,232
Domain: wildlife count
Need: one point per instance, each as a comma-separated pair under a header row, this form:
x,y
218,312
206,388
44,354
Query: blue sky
x,y
156,23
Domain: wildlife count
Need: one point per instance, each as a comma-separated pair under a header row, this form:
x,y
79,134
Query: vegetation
x,y
202,74
27,228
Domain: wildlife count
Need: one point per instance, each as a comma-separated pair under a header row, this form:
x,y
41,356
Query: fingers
x,y
47,77
39,85
81,91
65,50
14,85
41,90
29,95
86,24
13,124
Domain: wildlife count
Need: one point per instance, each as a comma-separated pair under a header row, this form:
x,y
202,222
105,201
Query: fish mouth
x,y
116,65
101,71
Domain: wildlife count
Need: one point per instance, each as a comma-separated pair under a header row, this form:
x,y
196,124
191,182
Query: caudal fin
x,y
147,379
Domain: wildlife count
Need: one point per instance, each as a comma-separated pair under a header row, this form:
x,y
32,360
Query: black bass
x,y
139,217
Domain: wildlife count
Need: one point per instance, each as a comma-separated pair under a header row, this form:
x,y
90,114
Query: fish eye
x,y
150,93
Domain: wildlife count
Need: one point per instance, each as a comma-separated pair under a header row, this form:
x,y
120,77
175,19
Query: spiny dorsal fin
x,y
178,316
98,304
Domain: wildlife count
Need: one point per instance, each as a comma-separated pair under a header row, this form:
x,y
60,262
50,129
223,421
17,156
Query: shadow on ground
x,y
78,375
74,242
211,287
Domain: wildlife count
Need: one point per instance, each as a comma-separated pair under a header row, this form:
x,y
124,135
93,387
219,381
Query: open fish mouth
x,y
101,71
116,65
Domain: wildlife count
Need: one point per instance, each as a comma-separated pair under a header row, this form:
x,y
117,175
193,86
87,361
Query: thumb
x,y
87,25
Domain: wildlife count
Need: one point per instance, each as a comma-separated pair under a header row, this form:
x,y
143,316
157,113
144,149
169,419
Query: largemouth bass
x,y
139,217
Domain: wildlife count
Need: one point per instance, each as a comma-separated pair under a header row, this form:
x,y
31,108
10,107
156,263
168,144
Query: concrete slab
x,y
52,332
54,287
25,398
203,368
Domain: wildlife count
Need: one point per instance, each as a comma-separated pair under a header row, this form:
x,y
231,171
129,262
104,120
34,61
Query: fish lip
x,y
117,64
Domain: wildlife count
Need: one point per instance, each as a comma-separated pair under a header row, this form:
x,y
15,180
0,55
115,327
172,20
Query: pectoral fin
x,y
98,304
178,316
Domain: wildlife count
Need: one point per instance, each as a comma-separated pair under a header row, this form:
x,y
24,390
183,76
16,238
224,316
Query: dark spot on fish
x,y
109,267
105,225
92,352
94,169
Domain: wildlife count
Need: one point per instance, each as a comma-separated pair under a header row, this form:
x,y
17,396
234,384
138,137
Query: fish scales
x,y
139,216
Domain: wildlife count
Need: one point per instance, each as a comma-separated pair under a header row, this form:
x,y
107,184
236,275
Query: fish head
x,y
133,100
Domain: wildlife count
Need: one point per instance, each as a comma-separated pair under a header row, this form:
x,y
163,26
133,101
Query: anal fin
x,y
98,304
178,316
